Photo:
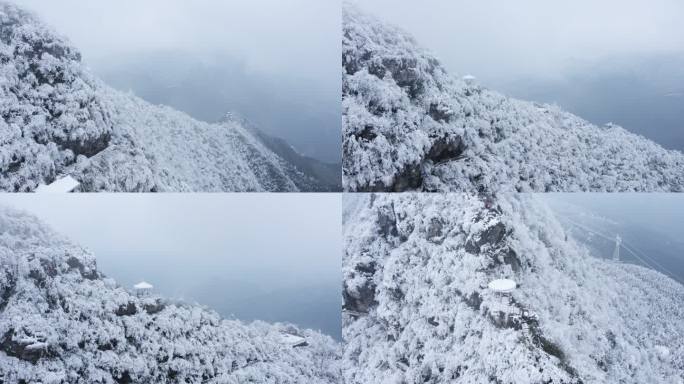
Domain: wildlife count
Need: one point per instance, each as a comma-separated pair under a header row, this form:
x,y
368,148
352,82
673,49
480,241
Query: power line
x,y
631,249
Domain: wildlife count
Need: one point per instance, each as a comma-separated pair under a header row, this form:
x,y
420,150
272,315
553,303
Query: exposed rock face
x,y
410,125
359,297
416,270
27,350
63,322
56,119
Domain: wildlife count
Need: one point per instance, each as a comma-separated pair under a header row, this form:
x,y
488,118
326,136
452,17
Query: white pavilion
x,y
469,80
143,289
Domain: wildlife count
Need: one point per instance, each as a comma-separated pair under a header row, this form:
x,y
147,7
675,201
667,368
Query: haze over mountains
x,y
643,93
620,63
649,226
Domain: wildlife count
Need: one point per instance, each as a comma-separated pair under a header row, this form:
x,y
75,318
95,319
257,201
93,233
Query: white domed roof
x,y
502,285
143,285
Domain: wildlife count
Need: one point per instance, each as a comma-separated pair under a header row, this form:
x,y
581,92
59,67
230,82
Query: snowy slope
x,y
410,125
59,119
417,307
61,321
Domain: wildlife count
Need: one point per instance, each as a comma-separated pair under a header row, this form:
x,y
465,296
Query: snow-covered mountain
x,y
410,125
58,119
418,307
62,321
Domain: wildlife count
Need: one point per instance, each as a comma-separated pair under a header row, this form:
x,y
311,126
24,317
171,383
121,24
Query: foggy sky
x,y
250,232
258,256
298,37
492,38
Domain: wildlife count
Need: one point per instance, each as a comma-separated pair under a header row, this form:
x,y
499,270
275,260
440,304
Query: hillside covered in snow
x,y
62,321
410,125
418,307
58,119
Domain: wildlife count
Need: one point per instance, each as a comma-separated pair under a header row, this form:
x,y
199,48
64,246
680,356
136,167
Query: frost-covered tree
x,y
63,322
418,307
410,125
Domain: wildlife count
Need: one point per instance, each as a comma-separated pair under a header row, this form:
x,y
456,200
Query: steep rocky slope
x,y
410,125
328,176
58,119
62,321
418,309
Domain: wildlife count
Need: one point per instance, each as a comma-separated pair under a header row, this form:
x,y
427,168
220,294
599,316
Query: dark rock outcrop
x,y
126,310
27,350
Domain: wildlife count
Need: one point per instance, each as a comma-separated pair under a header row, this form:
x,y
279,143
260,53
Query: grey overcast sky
x,y
296,36
499,38
274,257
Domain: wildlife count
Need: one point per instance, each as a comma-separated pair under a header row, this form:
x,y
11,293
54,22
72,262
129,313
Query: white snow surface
x,y
64,184
61,321
410,125
416,269
292,340
57,118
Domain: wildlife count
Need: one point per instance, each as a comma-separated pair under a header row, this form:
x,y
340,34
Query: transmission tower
x,y
616,252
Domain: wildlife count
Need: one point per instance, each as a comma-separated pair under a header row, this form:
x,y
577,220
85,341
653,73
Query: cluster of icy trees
x,y
56,119
418,309
61,321
409,125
